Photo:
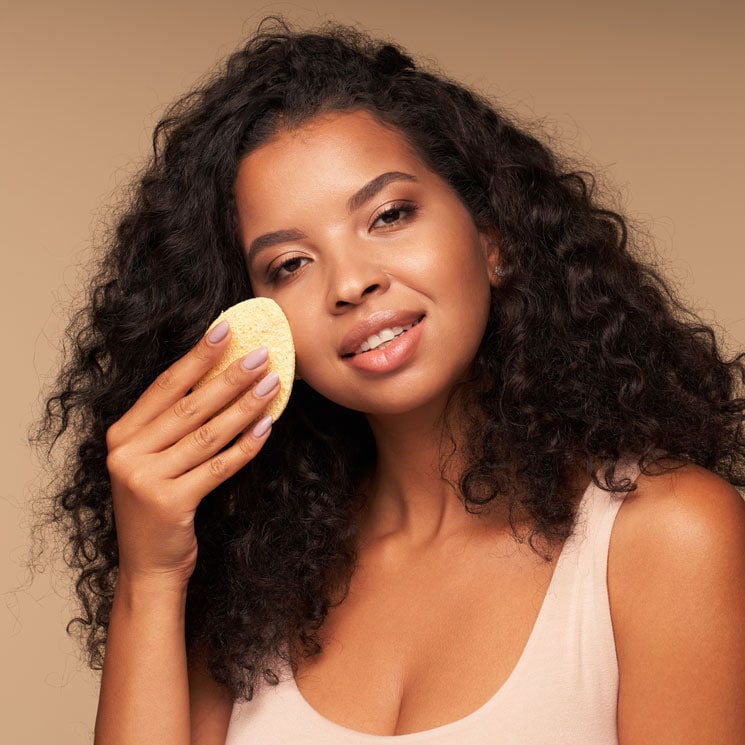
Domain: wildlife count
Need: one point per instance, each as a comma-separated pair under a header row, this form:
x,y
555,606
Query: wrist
x,y
150,591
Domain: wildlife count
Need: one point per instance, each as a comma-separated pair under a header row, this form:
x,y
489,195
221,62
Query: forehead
x,y
333,151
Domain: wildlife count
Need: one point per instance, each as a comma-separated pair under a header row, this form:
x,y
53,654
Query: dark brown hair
x,y
587,357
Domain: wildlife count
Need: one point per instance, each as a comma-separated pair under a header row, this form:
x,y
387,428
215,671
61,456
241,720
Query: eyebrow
x,y
371,188
272,239
367,192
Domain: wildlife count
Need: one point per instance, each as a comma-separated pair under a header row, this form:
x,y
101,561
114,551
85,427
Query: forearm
x,y
170,449
144,690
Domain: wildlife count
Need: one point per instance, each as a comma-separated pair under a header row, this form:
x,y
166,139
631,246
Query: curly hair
x,y
587,359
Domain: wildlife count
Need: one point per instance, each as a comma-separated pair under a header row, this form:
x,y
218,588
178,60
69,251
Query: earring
x,y
499,271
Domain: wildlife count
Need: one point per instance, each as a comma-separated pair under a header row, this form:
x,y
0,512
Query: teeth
x,y
383,336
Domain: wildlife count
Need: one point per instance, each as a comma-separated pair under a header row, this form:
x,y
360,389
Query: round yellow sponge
x,y
254,323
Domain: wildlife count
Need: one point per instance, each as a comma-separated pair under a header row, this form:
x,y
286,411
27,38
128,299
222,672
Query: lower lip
x,y
398,352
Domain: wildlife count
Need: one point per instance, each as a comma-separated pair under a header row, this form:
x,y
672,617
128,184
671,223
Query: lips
x,y
377,330
382,337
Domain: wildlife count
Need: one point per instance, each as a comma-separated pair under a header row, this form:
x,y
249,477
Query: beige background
x,y
651,92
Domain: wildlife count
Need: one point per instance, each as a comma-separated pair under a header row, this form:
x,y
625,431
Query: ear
x,y
490,246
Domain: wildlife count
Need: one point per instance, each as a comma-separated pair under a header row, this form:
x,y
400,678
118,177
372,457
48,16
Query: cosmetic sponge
x,y
255,323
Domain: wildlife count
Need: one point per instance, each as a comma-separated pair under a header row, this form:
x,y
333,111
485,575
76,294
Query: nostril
x,y
370,288
343,295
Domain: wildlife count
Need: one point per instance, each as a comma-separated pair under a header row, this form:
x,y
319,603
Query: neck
x,y
414,492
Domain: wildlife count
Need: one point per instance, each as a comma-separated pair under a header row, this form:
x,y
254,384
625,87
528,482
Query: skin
x,y
396,250
676,580
676,575
165,454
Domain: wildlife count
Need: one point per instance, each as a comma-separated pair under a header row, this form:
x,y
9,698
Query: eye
x,y
393,214
287,268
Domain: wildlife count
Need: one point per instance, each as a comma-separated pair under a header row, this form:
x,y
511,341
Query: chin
x,y
396,405
416,391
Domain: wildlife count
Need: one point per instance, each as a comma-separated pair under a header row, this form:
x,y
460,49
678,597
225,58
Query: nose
x,y
352,278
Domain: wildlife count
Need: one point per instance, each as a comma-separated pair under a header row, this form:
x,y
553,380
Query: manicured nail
x,y
266,384
262,427
218,333
253,359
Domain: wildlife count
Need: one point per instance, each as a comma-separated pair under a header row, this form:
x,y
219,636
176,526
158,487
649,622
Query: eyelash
x,y
274,273
407,210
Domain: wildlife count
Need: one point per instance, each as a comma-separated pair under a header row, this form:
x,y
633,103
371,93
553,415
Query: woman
x,y
508,522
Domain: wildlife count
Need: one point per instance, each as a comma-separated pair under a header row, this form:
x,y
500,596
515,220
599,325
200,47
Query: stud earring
x,y
499,271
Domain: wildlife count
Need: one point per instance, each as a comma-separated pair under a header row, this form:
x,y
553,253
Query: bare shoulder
x,y
676,582
686,508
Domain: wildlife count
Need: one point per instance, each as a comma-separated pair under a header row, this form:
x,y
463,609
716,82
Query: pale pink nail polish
x,y
218,333
262,427
266,384
253,359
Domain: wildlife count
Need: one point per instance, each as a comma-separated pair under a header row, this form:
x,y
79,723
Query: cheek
x,y
314,373
303,365
307,354
467,276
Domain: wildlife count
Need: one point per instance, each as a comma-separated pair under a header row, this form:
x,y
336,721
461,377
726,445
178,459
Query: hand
x,y
171,449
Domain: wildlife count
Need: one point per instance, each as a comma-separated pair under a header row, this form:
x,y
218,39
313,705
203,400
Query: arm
x,y
676,579
165,454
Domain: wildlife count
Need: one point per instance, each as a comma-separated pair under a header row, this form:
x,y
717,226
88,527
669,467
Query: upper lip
x,y
375,323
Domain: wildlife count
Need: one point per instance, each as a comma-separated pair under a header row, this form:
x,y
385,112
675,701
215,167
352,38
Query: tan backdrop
x,y
651,92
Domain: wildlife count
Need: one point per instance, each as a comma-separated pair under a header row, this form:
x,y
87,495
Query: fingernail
x,y
266,384
253,359
218,333
262,427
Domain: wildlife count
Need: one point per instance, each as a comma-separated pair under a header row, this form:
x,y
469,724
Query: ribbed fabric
x,y
563,690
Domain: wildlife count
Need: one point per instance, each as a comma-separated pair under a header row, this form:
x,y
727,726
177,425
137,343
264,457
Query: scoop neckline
x,y
457,724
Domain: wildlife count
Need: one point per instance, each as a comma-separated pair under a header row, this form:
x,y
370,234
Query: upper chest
x,y
427,637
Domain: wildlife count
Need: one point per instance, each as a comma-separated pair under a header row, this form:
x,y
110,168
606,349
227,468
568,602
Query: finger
x,y
207,440
209,474
176,381
192,411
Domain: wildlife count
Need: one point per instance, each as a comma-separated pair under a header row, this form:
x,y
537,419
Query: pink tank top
x,y
563,690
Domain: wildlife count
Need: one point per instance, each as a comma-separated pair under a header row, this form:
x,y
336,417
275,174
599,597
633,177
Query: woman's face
x,y
377,264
